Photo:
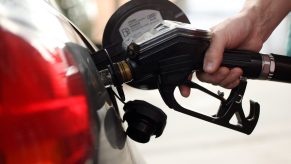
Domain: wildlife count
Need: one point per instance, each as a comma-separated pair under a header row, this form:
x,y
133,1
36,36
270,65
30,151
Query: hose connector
x,y
268,67
118,74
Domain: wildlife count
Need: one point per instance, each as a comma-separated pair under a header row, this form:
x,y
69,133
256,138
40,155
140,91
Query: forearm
x,y
266,14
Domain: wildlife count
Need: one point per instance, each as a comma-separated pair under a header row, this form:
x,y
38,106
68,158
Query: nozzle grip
x,y
250,62
259,66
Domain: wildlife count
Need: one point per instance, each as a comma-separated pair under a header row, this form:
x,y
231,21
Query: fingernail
x,y
208,67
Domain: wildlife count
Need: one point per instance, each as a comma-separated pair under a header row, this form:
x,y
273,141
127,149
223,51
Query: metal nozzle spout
x,y
118,74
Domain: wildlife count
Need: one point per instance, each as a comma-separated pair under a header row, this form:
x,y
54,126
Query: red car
x,y
53,107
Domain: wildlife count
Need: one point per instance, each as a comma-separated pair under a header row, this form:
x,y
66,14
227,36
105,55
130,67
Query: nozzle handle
x,y
259,66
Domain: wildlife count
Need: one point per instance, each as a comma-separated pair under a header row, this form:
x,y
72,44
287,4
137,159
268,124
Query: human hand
x,y
247,30
237,32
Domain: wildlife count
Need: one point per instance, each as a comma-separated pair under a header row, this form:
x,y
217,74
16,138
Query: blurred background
x,y
188,140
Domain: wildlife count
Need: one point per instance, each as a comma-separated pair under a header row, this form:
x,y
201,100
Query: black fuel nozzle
x,y
165,56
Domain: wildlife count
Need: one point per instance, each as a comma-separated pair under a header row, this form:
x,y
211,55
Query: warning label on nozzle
x,y
138,23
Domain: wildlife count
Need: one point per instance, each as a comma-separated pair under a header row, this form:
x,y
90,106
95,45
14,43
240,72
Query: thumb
x,y
214,54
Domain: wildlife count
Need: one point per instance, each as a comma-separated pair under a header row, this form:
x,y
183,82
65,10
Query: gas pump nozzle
x,y
166,55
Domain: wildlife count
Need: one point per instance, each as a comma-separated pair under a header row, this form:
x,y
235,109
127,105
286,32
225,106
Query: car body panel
x,y
53,107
